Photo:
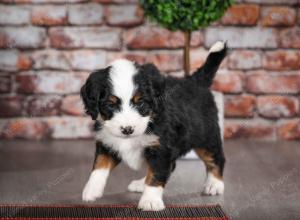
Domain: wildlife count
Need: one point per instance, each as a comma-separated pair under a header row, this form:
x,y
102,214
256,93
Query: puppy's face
x,y
123,98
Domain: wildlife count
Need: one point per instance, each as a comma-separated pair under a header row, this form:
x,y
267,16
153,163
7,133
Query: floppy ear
x,y
93,90
156,83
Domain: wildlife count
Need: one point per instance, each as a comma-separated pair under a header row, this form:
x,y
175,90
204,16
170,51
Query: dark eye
x,y
110,106
140,103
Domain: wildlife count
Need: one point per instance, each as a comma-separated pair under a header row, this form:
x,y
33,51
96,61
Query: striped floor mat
x,y
109,212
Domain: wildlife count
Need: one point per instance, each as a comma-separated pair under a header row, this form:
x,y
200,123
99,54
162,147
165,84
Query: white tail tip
x,y
218,46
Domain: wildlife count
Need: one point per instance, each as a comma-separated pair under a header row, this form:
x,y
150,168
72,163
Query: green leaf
x,y
185,15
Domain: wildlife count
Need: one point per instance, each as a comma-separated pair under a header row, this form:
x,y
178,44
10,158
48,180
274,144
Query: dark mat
x,y
112,212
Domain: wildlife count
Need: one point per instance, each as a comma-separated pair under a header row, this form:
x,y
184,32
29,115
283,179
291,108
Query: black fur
x,y
93,91
204,75
102,149
184,113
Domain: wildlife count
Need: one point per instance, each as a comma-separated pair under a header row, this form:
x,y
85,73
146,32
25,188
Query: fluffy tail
x,y
205,74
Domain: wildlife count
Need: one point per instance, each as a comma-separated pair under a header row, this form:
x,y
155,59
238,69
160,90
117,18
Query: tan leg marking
x,y
104,161
151,199
150,179
209,162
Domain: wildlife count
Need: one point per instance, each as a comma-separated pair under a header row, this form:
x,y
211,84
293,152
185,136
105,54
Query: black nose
x,y
127,130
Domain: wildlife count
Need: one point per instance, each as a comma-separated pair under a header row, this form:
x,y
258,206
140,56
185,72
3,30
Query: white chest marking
x,y
129,149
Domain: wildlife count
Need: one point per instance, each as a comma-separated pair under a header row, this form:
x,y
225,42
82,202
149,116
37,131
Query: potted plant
x,y
185,16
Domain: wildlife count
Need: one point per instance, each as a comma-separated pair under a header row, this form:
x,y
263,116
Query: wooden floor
x,y
262,180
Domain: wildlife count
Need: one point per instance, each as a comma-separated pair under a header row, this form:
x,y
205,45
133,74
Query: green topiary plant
x,y
186,16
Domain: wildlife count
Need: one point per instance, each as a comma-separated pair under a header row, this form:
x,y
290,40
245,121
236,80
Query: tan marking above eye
x,y
136,97
113,99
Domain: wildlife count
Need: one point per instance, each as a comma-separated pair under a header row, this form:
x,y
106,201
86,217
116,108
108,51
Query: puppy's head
x,y
123,97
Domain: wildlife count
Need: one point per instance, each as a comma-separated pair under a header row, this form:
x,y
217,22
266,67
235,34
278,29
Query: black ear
x,y
93,90
156,82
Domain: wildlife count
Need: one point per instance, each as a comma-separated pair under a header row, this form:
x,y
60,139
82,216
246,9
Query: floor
x,y
262,179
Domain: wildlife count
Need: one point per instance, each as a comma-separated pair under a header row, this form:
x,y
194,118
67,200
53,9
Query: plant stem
x,y
186,54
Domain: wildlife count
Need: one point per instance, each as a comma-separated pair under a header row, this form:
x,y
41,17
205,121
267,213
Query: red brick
x,y
14,15
22,37
85,14
245,59
24,128
24,62
239,106
139,57
10,106
166,61
260,82
9,60
89,37
72,105
238,37
197,58
126,16
154,37
277,106
278,16
49,15
50,82
70,127
5,84
253,129
43,105
289,129
12,60
242,14
228,81
50,59
282,60
290,38
87,59
66,60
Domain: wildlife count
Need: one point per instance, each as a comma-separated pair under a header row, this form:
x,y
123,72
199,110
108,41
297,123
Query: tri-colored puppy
x,y
143,116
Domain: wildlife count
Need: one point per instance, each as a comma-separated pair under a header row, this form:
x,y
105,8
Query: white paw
x,y
95,186
137,185
151,204
218,46
213,186
151,199
91,192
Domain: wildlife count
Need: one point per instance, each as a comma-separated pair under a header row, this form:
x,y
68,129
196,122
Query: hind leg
x,y
214,161
137,185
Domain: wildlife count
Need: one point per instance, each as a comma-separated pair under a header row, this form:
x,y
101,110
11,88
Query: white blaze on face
x,y
122,79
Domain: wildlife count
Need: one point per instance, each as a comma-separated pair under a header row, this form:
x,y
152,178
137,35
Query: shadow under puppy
x,y
142,116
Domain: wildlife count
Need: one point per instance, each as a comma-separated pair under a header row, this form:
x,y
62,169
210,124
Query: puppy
x,y
143,116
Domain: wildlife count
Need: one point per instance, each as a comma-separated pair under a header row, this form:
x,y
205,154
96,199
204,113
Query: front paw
x,y
148,203
95,186
91,192
151,199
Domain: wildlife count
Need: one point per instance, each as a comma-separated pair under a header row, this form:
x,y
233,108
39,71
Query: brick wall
x,y
48,47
